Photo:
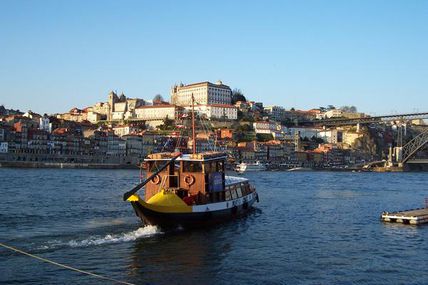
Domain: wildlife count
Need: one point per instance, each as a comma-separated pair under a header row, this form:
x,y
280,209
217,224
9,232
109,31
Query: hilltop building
x,y
276,113
205,93
117,108
270,128
121,107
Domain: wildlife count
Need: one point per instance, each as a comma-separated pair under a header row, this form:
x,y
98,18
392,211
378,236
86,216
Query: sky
x,y
55,55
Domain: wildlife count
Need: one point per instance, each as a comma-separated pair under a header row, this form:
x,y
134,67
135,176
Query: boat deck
x,y
412,217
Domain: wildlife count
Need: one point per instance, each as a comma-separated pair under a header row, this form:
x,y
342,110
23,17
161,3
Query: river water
x,y
309,228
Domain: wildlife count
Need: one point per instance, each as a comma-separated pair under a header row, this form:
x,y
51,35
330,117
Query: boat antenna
x,y
193,125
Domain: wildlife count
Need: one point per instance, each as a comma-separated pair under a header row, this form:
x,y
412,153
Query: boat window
x,y
192,166
238,190
227,195
155,165
209,167
244,189
220,166
233,192
173,181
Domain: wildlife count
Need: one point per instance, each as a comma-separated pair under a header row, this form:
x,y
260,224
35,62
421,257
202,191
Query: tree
x,y
158,99
288,122
237,95
349,109
245,128
168,124
264,137
331,107
240,115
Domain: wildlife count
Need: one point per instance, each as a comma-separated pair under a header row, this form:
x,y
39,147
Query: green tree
x,y
237,95
264,137
158,99
168,124
349,109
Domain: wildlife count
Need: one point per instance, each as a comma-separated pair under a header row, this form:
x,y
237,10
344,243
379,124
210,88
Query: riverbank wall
x,y
35,164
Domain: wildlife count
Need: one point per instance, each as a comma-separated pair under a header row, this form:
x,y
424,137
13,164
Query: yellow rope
x,y
64,266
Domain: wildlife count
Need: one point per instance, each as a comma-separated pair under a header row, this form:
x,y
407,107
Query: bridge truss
x,y
368,120
413,146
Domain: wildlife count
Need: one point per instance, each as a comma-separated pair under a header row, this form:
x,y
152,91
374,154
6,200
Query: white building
x,y
276,113
117,116
94,117
45,124
121,107
263,127
304,132
216,111
101,108
276,130
349,138
333,113
156,112
124,130
205,93
331,136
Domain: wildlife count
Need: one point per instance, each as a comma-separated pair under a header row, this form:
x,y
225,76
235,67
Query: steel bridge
x,y
365,120
414,146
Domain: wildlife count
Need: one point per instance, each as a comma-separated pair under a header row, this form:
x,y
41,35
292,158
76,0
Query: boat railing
x,y
165,178
162,184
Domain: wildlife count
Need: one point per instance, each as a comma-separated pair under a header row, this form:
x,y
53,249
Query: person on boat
x,y
189,199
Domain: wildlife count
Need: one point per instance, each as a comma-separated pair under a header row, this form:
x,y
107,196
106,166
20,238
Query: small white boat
x,y
299,169
257,166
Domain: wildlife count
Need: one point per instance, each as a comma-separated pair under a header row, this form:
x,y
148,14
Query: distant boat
x,y
257,166
299,169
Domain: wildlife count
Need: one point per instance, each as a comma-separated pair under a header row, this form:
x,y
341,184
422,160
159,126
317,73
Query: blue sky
x,y
55,55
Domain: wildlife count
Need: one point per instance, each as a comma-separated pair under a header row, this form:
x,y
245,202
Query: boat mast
x,y
193,125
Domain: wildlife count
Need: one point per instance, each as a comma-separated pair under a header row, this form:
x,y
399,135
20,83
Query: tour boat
x,y
190,190
257,166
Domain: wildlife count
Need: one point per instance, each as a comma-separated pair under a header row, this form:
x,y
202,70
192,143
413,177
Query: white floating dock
x,y
412,217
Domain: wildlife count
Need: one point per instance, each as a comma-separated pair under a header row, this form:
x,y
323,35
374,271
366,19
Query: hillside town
x,y
122,131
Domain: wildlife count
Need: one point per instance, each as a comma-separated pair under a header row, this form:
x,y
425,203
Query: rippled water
x,y
309,228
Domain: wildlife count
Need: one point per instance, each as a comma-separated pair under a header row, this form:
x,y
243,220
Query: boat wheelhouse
x,y
191,190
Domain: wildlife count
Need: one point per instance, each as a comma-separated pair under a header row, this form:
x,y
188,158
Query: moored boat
x,y
256,166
